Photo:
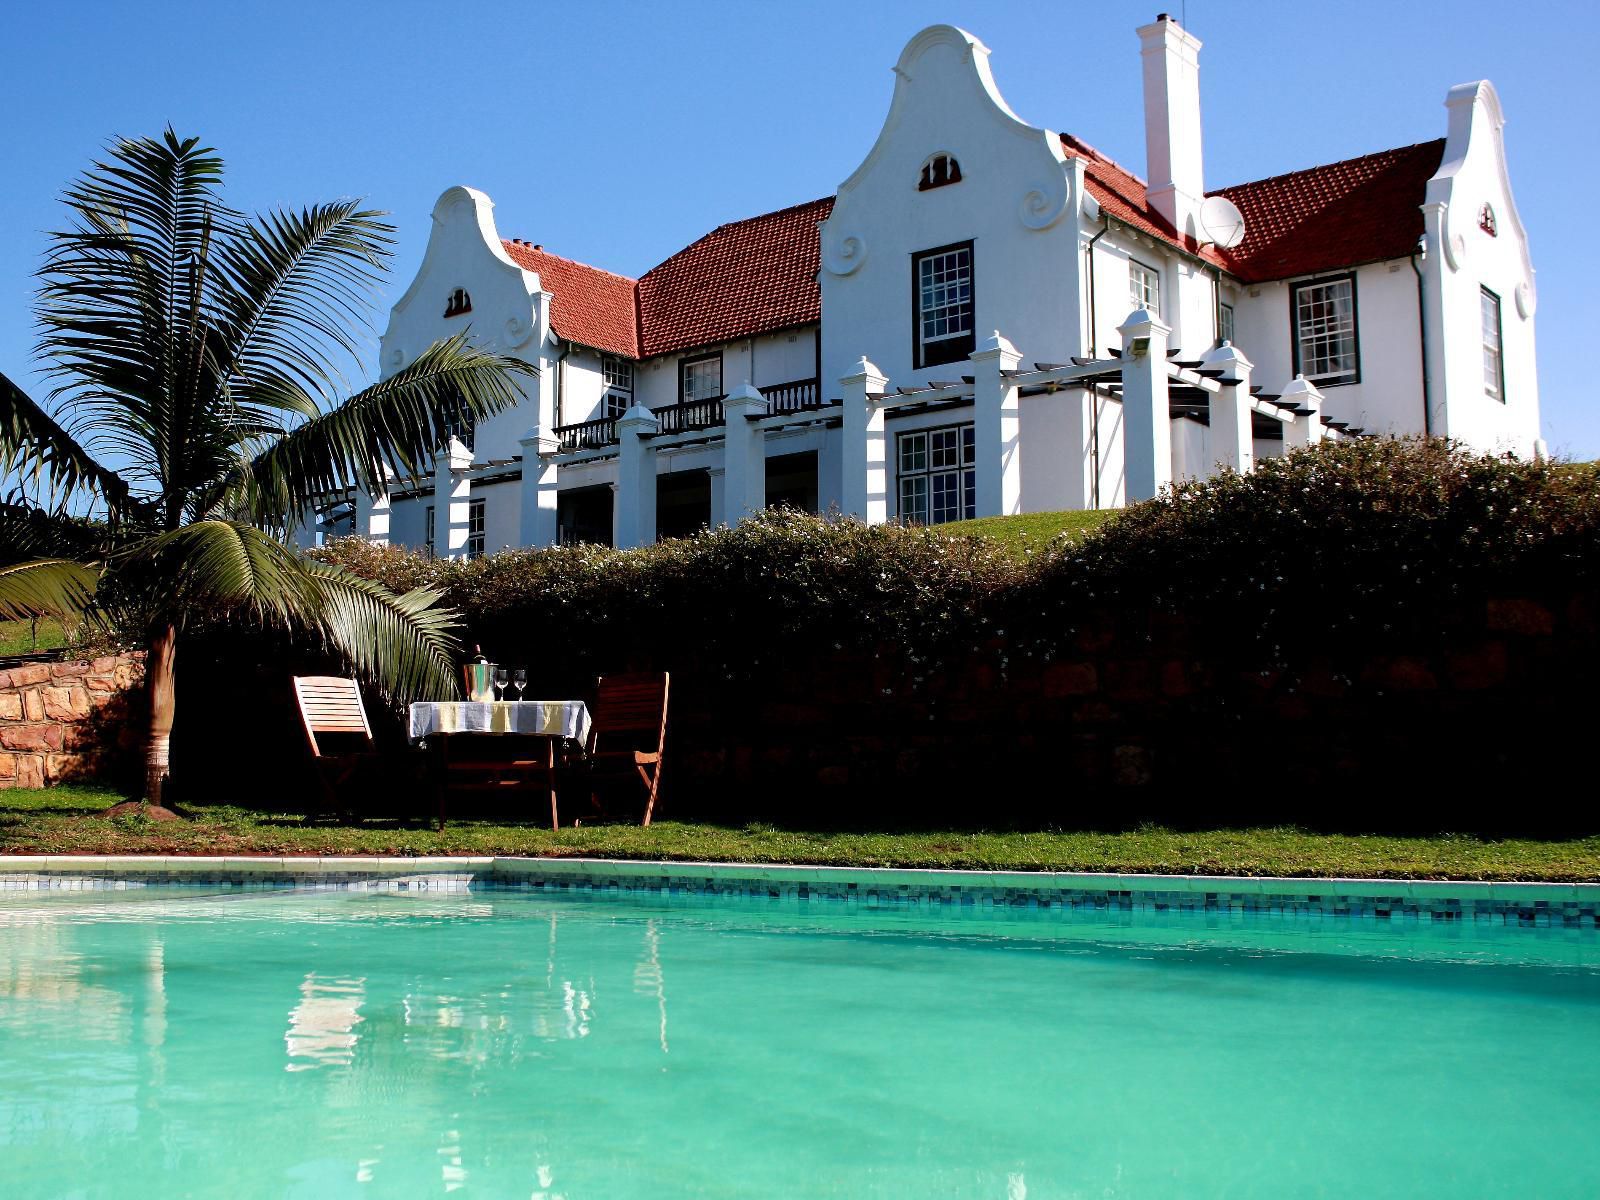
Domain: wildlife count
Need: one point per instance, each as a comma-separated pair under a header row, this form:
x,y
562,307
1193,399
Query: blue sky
x,y
617,133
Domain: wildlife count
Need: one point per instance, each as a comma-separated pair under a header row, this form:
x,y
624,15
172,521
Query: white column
x,y
744,456
635,512
1306,430
452,500
997,421
1146,414
864,486
1232,442
539,526
373,512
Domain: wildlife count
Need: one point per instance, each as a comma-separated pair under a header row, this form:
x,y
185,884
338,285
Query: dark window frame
x,y
477,526
951,349
689,360
965,470
929,179
1355,327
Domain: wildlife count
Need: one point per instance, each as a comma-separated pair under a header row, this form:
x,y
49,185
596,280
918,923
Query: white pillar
x,y
1146,414
373,512
634,518
1232,442
996,436
452,500
744,456
539,526
1305,430
864,486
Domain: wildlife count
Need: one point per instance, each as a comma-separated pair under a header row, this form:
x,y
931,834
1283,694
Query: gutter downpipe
x,y
1094,388
1422,331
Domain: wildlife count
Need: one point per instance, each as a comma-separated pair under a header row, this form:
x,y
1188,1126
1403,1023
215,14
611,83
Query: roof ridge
x,y
1338,162
574,261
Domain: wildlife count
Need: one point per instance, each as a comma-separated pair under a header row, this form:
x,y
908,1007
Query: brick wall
x,y
65,720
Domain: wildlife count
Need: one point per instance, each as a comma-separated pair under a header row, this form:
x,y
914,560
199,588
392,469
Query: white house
x,y
986,317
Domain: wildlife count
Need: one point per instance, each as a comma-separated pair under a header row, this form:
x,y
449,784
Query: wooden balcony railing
x,y
798,395
587,435
688,415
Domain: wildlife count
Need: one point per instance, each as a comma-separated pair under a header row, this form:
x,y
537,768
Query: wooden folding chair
x,y
332,705
629,736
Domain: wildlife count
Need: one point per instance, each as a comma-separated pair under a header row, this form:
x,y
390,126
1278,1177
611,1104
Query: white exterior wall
x,y
780,357
1388,398
1462,259
1016,188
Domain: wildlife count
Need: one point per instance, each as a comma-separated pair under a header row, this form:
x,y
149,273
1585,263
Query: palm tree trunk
x,y
158,674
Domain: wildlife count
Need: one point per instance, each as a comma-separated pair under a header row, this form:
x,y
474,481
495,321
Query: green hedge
x,y
1361,541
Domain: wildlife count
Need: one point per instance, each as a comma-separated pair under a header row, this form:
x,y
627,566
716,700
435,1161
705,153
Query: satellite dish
x,y
1222,221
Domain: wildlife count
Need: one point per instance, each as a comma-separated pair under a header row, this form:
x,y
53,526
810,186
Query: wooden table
x,y
449,727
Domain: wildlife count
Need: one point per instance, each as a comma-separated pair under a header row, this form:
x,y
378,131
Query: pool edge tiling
x,y
1538,904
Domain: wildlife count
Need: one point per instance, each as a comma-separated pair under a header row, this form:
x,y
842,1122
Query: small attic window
x,y
1487,222
459,303
938,171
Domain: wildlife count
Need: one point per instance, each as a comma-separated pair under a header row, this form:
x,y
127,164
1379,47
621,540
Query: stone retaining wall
x,y
65,720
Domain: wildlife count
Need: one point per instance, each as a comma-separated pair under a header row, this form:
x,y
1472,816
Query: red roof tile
x,y
1362,210
591,306
743,278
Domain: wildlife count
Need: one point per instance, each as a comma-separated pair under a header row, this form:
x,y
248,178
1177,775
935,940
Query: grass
x,y
67,820
20,637
1031,532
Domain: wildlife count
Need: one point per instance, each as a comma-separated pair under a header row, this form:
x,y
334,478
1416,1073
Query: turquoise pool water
x,y
260,1044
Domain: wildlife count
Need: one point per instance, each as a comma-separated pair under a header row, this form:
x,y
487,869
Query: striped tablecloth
x,y
544,718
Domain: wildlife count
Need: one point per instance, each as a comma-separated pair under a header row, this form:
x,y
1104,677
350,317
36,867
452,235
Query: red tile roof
x,y
760,274
743,278
591,306
1362,210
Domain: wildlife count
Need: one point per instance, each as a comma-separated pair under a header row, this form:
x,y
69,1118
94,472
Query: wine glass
x,y
500,681
519,680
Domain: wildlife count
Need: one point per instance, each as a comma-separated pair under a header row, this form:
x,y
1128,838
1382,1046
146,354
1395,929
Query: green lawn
x,y
19,637
65,820
1031,532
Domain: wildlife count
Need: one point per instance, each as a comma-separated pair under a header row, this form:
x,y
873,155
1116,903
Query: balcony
x,y
587,435
689,415
798,395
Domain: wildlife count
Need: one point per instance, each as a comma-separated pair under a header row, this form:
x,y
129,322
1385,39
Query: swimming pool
x,y
186,1041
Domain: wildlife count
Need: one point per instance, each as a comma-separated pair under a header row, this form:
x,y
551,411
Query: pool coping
x,y
563,873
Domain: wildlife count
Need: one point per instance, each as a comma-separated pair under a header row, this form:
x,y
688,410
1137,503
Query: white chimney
x,y
1173,161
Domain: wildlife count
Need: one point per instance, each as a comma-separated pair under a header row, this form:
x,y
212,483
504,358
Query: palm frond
x,y
123,302
46,587
404,643
402,421
221,568
32,443
297,286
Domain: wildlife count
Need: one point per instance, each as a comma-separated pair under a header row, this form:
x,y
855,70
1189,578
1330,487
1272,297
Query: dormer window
x,y
460,303
938,171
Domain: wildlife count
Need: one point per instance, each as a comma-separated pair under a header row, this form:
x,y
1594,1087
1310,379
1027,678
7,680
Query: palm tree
x,y
198,411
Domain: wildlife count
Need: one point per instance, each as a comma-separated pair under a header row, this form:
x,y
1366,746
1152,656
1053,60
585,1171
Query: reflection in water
x,y
322,1026
42,972
648,979
450,1168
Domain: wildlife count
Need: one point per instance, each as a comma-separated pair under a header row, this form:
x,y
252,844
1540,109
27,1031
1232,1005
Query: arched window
x,y
459,303
938,171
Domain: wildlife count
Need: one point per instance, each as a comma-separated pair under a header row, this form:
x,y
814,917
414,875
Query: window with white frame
x,y
1144,287
427,530
936,476
475,528
1494,367
1324,316
1224,323
617,375
700,378
942,291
